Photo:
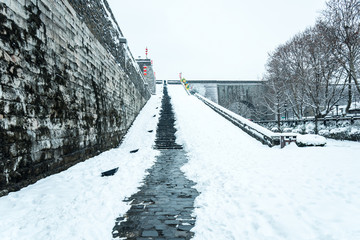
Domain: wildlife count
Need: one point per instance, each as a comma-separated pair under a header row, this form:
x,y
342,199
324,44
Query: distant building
x,y
243,97
147,69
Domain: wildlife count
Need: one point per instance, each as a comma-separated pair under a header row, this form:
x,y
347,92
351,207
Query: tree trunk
x,y
278,119
349,95
354,75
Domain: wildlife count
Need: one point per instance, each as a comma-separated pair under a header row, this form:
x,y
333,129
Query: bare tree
x,y
304,74
287,67
342,18
274,97
294,74
324,74
312,69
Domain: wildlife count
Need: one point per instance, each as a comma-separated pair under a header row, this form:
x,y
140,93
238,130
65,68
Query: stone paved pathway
x,y
162,208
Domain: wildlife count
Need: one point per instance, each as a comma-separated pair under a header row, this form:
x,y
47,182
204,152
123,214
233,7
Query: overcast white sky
x,y
211,39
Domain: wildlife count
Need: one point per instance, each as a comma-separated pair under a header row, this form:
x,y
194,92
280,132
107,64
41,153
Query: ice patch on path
x,y
78,203
250,191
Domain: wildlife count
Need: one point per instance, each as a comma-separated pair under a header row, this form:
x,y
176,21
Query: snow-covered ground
x,y
247,190
78,203
251,191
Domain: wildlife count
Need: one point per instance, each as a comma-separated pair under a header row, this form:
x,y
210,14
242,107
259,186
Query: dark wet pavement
x,y
163,207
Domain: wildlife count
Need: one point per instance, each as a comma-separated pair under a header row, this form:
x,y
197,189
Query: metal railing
x,y
325,120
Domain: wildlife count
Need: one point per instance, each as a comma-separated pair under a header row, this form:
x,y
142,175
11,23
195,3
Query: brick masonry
x,y
68,89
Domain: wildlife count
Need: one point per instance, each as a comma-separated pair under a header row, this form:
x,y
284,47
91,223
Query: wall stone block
x,y
68,89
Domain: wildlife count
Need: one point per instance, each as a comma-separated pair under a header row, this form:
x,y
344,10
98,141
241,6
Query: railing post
x,y
282,142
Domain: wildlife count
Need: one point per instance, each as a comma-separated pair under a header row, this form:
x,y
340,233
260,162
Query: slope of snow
x,y
243,120
78,203
251,191
247,190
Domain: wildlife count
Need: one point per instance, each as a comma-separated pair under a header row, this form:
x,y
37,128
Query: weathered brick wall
x,y
64,94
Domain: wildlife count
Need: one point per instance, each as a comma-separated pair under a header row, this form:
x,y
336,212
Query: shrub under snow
x,y
310,140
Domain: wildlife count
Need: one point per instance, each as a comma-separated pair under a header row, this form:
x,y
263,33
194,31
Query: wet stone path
x,y
162,209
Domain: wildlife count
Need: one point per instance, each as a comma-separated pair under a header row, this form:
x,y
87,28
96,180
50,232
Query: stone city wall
x,y
244,99
68,91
